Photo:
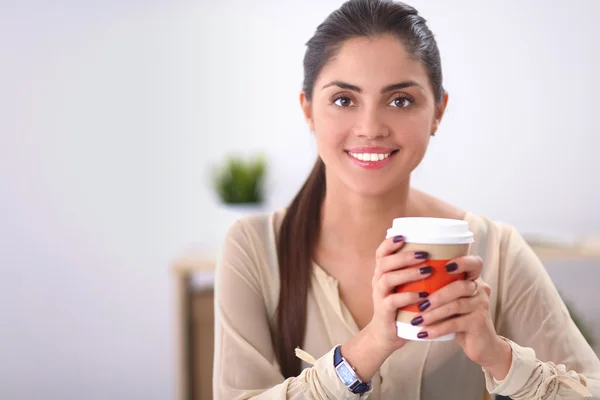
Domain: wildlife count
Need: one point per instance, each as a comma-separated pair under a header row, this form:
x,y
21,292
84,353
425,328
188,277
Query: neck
x,y
356,224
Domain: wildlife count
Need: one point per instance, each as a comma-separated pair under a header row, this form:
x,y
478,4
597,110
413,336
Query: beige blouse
x,y
525,307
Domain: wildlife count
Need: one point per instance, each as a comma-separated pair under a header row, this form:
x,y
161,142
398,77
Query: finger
x,y
389,246
463,323
461,306
484,286
452,325
469,265
399,260
390,280
451,292
395,301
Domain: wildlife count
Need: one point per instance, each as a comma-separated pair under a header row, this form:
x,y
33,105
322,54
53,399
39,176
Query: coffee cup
x,y
443,239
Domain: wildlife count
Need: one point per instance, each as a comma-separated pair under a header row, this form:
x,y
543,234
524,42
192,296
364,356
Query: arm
x,y
531,312
245,365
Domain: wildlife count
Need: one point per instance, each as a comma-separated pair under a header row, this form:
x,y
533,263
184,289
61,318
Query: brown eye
x,y
401,102
343,102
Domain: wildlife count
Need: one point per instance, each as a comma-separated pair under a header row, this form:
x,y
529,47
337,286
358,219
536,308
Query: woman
x,y
319,274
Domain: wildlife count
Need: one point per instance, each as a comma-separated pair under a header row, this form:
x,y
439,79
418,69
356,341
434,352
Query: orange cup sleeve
x,y
437,280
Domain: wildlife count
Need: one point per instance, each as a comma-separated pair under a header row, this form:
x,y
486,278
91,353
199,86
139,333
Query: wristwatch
x,y
347,374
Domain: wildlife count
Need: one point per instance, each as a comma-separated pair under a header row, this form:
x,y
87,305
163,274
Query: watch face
x,y
346,374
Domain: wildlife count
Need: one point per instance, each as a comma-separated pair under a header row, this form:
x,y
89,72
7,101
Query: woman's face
x,y
373,112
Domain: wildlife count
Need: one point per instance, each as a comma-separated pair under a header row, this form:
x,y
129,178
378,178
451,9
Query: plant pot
x,y
228,214
241,210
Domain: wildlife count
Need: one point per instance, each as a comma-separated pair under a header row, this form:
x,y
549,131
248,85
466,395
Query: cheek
x,y
331,131
413,130
412,134
416,137
329,143
416,146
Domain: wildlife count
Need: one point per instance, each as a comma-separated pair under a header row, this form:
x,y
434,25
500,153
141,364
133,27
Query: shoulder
x,y
484,228
493,239
492,231
499,243
250,251
256,231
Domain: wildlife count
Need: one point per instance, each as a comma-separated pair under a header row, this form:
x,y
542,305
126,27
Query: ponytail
x,y
297,238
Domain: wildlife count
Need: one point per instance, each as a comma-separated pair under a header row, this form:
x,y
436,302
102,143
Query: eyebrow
x,y
389,88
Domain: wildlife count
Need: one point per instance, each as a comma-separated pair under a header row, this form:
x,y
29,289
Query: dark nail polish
x,y
423,295
417,321
398,239
424,305
425,270
421,255
451,267
422,335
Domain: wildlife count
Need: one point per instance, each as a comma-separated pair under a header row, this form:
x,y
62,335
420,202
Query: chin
x,y
373,188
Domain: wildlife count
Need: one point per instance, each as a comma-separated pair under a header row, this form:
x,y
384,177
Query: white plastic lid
x,y
431,230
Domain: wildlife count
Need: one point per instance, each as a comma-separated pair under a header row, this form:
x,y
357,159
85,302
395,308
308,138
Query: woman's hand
x,y
390,272
369,349
463,307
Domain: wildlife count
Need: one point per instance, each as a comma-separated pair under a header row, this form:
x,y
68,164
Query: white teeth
x,y
370,156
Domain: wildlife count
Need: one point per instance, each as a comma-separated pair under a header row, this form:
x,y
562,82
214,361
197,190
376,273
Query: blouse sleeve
x,y
555,361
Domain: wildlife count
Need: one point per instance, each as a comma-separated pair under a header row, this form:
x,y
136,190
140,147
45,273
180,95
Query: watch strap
x,y
357,387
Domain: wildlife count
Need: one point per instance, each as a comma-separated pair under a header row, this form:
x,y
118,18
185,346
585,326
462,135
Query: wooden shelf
x,y
188,300
557,253
194,260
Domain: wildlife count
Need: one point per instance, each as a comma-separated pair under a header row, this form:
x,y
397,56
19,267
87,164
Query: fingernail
x,y
398,238
423,294
421,255
425,270
422,335
424,305
417,321
451,267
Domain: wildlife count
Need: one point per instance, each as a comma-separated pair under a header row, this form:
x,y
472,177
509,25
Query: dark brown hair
x,y
300,227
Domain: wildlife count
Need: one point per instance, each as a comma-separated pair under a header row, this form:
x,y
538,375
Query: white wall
x,y
112,112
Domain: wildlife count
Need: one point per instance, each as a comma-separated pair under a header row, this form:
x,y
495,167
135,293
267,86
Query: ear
x,y
307,111
439,113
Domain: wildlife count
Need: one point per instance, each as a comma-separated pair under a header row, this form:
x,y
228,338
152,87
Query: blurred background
x,y
114,113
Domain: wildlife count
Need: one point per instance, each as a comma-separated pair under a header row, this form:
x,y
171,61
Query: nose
x,y
370,124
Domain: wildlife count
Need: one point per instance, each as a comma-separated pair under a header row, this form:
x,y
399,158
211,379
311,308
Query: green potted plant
x,y
239,182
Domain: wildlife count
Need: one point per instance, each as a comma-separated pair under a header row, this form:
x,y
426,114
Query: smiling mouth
x,y
371,156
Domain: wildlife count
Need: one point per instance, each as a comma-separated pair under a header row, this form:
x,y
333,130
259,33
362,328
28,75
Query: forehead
x,y
373,63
